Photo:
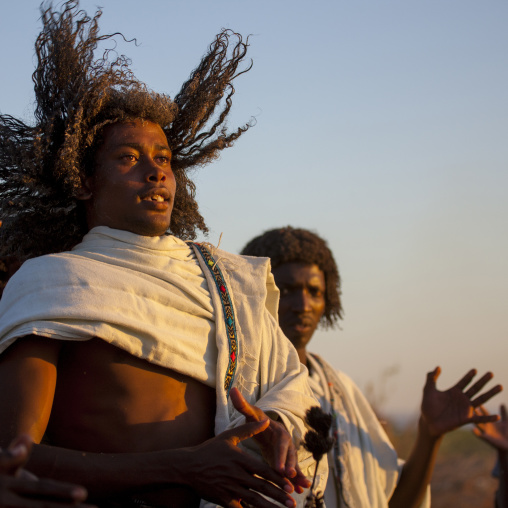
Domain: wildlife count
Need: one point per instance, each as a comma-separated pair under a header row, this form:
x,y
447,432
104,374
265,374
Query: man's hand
x,y
21,489
494,433
223,473
275,442
452,408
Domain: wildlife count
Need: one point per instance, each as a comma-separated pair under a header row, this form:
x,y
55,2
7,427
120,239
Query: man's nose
x,y
301,301
154,173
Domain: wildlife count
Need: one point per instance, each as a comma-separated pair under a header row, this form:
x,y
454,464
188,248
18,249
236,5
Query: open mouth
x,y
156,197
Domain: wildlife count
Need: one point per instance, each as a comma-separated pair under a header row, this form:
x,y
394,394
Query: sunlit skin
x,y
136,422
145,407
302,302
132,187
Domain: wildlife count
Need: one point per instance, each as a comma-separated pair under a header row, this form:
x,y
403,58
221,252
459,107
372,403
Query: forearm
x,y
502,493
106,475
417,471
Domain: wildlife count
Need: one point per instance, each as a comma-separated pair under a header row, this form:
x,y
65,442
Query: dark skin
x,y
118,424
496,435
302,304
21,489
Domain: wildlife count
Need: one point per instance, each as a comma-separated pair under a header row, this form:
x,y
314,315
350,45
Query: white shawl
x,y
369,468
62,296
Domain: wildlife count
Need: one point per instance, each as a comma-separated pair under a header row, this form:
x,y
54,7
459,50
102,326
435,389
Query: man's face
x,y
132,187
302,300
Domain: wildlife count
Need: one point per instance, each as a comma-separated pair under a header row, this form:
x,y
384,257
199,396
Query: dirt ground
x,y
462,477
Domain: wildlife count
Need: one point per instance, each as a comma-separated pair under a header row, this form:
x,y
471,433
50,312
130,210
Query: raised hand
x,y
223,473
20,489
452,408
275,442
494,433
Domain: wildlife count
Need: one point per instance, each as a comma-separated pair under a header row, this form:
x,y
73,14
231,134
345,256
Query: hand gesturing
x,y
452,408
495,433
275,443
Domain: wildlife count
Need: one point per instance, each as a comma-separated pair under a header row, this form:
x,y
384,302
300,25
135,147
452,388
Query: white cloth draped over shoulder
x,y
155,298
367,468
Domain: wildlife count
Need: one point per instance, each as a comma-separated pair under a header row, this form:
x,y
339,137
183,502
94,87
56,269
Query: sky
x,y
380,125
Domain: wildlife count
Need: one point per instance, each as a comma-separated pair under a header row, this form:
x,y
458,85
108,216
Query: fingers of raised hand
x,y
474,389
432,377
486,396
479,419
480,411
464,381
504,415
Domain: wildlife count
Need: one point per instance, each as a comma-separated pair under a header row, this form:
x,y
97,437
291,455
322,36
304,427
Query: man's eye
x,y
163,159
129,157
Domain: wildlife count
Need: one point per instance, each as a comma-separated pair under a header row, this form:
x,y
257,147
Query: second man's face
x,y
132,187
302,300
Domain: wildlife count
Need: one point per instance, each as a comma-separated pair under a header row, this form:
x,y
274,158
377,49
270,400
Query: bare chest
x,y
106,400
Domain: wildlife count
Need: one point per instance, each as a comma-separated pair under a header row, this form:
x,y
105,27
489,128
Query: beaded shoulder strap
x,y
227,308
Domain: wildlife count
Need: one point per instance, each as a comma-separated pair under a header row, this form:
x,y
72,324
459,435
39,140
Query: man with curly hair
x,y
364,470
140,360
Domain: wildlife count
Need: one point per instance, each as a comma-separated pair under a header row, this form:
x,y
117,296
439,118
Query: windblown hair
x,y
293,245
77,96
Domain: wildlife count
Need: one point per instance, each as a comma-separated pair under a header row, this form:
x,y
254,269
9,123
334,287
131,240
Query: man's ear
x,y
85,190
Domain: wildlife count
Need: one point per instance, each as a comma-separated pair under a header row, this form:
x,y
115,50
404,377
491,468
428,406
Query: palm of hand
x,y
443,411
446,411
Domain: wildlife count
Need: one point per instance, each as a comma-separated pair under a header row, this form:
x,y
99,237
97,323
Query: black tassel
x,y
319,442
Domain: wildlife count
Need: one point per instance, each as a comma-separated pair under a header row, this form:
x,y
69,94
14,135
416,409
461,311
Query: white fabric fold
x,y
367,470
138,293
146,295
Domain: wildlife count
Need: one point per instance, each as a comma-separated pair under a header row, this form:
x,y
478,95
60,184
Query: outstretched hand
x,y
275,442
447,410
21,489
494,433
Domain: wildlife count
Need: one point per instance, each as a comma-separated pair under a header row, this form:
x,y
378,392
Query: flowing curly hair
x,y
295,245
76,97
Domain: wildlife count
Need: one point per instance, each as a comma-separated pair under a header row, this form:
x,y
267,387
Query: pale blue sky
x,y
380,124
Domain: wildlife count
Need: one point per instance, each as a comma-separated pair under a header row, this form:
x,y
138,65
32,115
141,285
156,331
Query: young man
x,y
364,472
140,360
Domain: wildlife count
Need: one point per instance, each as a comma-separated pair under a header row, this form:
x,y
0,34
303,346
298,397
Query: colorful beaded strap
x,y
229,314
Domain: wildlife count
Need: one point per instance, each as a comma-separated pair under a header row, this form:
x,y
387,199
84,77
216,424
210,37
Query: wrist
x,y
427,433
173,467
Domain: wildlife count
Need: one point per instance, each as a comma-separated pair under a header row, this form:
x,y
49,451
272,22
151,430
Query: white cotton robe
x,y
123,288
368,465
